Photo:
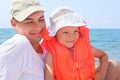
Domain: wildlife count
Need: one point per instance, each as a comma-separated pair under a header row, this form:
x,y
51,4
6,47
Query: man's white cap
x,y
62,17
21,9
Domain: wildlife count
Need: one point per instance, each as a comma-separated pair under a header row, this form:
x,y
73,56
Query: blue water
x,y
105,39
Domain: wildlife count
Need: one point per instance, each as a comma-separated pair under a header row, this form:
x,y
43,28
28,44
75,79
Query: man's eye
x,y
41,20
28,22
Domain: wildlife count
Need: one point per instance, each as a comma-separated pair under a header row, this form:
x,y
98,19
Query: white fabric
x,y
21,9
19,61
62,17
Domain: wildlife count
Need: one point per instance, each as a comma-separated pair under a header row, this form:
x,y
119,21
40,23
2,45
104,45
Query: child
x,y
71,57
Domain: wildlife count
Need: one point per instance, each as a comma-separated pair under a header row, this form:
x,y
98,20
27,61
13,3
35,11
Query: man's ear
x,y
13,23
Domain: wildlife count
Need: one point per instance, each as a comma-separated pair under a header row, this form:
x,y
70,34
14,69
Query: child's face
x,y
67,36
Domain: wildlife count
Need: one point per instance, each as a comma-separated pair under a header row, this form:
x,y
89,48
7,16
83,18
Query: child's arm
x,y
49,74
102,69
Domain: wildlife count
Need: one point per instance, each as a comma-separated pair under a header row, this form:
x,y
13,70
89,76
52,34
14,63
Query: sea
x,y
105,39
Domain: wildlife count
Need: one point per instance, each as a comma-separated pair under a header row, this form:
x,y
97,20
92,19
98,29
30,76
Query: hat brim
x,y
54,31
74,25
27,12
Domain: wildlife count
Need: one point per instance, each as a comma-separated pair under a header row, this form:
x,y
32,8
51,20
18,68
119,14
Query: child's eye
x,y
65,32
76,31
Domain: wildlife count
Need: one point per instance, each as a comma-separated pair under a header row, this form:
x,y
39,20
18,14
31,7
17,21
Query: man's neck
x,y
37,48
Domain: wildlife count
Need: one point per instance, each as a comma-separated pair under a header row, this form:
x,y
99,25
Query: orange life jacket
x,y
65,68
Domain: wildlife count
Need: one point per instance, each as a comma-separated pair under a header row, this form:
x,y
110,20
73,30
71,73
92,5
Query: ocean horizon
x,y
105,39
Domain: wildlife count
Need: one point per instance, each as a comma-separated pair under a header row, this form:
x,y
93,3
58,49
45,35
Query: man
x,y
21,57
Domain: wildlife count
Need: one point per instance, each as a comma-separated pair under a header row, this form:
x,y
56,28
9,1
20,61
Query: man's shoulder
x,y
20,39
15,44
16,47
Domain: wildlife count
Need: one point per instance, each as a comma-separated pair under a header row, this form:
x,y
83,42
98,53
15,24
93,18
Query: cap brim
x,y
27,12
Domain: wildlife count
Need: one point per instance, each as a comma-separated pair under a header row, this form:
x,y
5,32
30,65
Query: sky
x,y
97,13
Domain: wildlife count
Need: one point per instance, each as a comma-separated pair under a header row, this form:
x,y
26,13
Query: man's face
x,y
32,27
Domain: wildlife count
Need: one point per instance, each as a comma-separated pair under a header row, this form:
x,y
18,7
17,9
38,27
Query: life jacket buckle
x,y
77,65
